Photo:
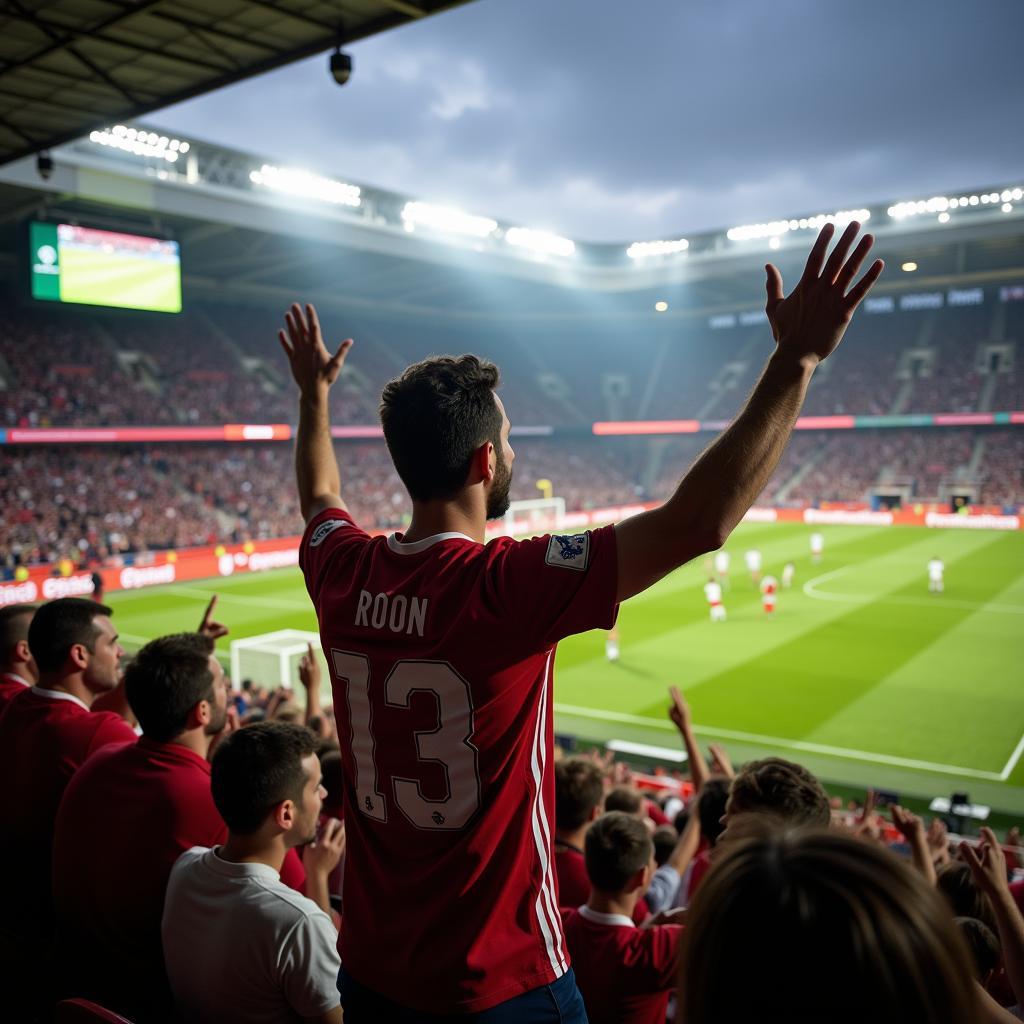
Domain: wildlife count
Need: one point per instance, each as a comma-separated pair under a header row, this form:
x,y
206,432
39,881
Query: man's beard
x,y
218,719
498,499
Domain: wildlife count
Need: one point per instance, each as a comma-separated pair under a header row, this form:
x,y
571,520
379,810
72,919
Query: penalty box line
x,y
790,744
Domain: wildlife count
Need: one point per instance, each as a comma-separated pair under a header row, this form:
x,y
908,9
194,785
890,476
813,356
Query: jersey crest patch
x,y
321,533
569,552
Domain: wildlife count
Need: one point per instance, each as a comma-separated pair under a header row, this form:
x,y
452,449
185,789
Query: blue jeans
x,y
557,1003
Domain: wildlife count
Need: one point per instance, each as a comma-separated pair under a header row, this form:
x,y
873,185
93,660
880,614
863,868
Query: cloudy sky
x,y
616,121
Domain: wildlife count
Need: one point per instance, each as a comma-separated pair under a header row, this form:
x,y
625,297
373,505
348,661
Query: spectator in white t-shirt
x,y
239,944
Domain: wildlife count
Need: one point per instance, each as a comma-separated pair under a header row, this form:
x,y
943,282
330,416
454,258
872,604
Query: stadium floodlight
x,y
1007,207
940,204
542,242
776,228
140,142
641,250
661,307
447,219
909,267
306,185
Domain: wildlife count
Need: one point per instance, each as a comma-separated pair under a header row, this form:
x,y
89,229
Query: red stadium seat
x,y
81,1011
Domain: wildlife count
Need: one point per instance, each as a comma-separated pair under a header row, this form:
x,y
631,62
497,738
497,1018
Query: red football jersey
x,y
109,892
625,974
10,686
441,654
45,736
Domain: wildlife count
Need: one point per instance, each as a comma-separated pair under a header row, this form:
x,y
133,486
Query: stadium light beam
x,y
446,219
776,228
140,143
306,185
641,250
541,242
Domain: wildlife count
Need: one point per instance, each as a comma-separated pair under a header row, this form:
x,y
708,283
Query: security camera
x,y
44,165
341,66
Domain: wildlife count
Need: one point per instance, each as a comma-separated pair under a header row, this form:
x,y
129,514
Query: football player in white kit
x,y
817,547
935,571
722,567
713,592
788,572
769,588
753,560
611,644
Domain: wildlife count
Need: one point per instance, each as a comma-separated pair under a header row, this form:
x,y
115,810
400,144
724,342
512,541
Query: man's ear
x,y
79,655
22,651
639,880
199,715
284,815
596,812
485,462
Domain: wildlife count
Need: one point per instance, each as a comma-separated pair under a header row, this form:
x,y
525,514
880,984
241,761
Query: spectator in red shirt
x,y
579,792
155,801
625,973
46,734
18,669
782,920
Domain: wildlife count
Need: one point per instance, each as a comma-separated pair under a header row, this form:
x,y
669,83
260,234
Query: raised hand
x,y
324,854
214,630
679,710
987,863
720,761
313,367
910,826
811,320
309,671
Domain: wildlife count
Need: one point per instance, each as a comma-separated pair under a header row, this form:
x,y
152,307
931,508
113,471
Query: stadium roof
x,y
69,66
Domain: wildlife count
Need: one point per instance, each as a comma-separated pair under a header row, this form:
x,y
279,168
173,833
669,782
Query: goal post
x,y
272,659
535,516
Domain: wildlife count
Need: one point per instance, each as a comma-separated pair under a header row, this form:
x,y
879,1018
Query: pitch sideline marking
x,y
811,748
810,588
1012,763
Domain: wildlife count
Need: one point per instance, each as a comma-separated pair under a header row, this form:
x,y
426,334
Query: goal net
x,y
533,517
272,659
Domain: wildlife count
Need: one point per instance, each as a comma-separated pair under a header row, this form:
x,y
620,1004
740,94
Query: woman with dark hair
x,y
818,926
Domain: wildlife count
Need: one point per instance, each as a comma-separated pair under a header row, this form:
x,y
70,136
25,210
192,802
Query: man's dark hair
x,y
665,839
59,625
956,883
14,623
256,768
982,944
711,806
166,680
579,787
618,845
97,586
780,789
435,416
624,798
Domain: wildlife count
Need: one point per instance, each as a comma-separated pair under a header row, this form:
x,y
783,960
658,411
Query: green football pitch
x,y
861,674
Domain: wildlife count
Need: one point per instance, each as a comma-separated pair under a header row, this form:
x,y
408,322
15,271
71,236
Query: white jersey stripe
x,y
549,874
542,853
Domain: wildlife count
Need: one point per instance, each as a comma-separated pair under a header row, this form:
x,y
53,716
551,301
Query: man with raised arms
x,y
441,649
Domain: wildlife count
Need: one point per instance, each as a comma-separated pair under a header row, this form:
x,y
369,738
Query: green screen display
x,y
104,268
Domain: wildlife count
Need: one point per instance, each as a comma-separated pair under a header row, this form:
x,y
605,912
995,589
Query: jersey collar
x,y
17,679
59,695
401,548
598,917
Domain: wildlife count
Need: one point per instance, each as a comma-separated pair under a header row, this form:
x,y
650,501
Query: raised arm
x,y
679,712
314,370
724,482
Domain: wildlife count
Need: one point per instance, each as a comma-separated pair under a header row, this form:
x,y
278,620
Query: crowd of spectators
x,y
213,892
92,505
63,369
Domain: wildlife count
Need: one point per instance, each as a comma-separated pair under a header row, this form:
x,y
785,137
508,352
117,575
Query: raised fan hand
x,y
811,320
312,366
208,627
